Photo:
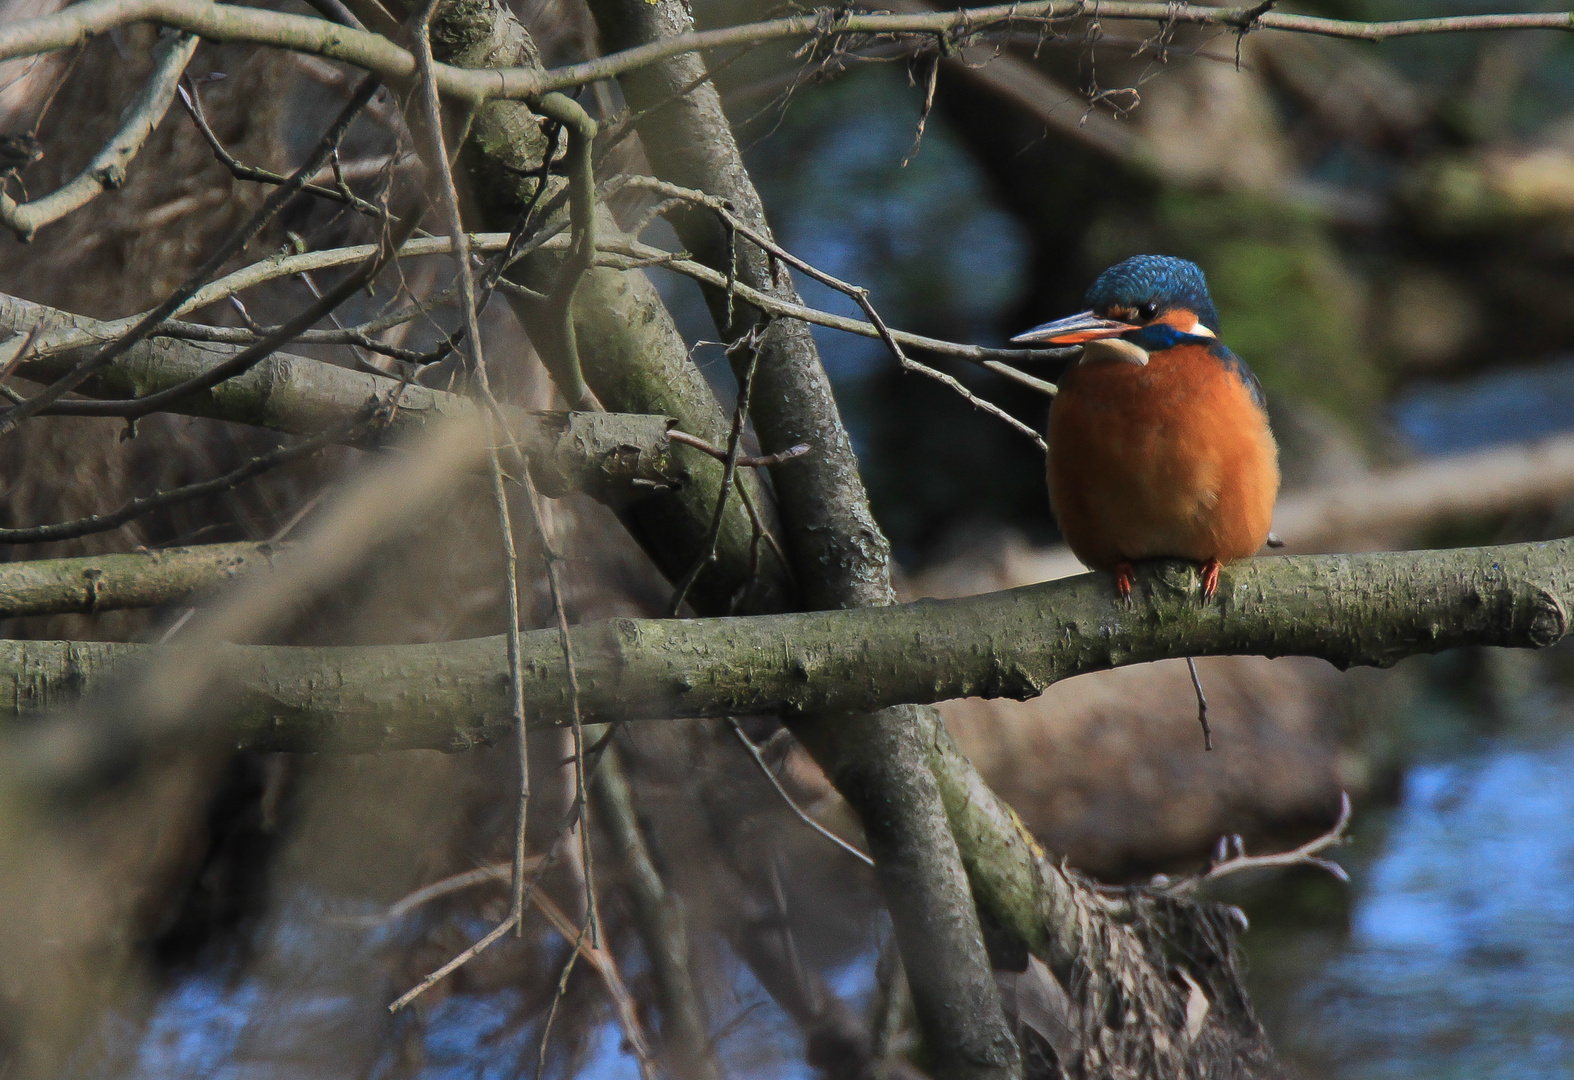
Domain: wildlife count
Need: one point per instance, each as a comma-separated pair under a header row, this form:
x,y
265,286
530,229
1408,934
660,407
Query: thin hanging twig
x,y
740,412
803,815
1202,703
436,152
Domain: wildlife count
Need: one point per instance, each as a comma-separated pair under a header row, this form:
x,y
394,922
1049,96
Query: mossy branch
x,y
877,761
1369,609
615,457
94,583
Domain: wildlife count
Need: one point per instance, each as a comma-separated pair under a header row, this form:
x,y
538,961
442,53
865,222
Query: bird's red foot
x,y
1210,578
1124,574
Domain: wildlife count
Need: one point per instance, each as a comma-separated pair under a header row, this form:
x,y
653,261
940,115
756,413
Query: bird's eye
x,y
1146,312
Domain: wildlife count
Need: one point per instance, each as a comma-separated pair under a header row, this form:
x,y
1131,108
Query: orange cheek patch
x,y
1181,319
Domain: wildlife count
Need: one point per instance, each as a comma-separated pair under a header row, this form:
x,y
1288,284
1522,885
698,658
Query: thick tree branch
x,y
140,579
1370,609
877,761
632,355
615,457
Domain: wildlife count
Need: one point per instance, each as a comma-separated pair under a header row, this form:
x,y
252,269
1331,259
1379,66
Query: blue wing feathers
x,y
1247,375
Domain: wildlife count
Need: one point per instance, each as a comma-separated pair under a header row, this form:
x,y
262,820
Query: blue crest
x,y
1162,280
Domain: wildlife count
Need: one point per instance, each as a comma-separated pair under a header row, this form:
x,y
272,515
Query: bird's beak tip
x,y
1072,330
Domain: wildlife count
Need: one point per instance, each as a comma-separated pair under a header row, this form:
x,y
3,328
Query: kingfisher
x,y
1159,444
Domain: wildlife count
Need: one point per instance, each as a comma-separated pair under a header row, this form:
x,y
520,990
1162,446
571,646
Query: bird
x,y
1159,442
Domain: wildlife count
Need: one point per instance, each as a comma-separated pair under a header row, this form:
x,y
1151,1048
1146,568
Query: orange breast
x,y
1170,460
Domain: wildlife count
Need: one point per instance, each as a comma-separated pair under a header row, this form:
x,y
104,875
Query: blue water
x,y
1497,407
1460,957
1458,961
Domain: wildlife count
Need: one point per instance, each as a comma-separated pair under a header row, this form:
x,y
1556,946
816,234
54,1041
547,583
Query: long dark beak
x,y
1073,330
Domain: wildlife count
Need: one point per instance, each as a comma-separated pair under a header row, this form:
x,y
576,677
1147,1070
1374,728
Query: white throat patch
x,y
1114,350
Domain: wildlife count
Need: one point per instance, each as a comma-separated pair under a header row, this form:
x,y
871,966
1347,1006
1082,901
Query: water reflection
x,y
1460,957
1496,407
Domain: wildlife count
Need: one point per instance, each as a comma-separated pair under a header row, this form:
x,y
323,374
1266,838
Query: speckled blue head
x,y
1161,280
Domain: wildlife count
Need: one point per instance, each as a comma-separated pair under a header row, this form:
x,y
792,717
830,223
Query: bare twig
x,y
247,358
606,966
356,336
192,103
571,671
469,879
1048,389
743,461
1308,854
516,679
931,80
541,865
107,170
454,965
803,815
856,293
356,348
97,523
576,941
232,245
1202,703
740,413
522,227
966,23
613,254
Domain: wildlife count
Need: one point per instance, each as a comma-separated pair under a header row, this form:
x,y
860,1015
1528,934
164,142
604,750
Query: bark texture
x,y
109,582
614,457
631,353
840,556
1348,609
